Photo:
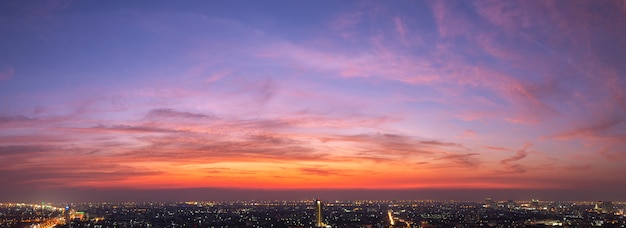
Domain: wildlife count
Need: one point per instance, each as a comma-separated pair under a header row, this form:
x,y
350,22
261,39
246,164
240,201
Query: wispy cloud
x,y
124,128
323,171
592,131
171,113
464,160
520,154
11,119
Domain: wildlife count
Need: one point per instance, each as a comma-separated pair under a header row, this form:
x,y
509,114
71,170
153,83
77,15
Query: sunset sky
x,y
286,96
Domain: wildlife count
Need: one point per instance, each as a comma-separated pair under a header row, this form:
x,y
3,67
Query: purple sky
x,y
470,98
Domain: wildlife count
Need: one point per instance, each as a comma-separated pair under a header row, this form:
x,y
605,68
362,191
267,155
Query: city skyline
x,y
313,213
353,99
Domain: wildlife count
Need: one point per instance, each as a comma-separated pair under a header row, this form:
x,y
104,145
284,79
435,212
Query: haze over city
x,y
227,100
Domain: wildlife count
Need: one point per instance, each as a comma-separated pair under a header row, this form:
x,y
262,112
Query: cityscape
x,y
312,113
318,213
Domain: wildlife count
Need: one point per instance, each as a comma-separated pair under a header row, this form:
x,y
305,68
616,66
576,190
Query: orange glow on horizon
x,y
301,175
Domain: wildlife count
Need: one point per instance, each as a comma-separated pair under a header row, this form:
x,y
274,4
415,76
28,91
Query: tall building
x,y
318,213
389,213
67,214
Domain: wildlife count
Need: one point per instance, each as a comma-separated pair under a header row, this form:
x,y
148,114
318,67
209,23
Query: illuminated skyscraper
x,y
318,213
389,214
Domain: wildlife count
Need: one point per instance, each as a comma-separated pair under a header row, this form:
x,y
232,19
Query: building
x,y
510,204
67,214
318,213
489,203
604,207
534,203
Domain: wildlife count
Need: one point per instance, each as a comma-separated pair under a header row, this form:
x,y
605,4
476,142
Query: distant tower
x,y
67,216
318,213
390,215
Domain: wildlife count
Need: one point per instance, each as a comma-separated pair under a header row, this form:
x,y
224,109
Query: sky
x,y
347,99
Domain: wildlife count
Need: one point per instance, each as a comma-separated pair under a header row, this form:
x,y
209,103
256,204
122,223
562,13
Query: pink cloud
x,y
469,160
604,138
508,15
345,24
400,28
388,64
449,22
347,20
381,64
521,154
595,130
497,148
217,76
533,101
468,134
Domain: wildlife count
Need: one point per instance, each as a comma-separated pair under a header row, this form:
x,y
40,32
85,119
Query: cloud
x,y
171,113
264,90
347,20
497,148
437,143
380,63
445,68
592,131
400,28
125,128
29,138
217,76
12,119
450,20
321,171
537,77
274,139
465,160
345,24
250,96
521,154
468,134
23,149
58,175
258,123
510,16
392,147
48,166
602,136
204,148
386,144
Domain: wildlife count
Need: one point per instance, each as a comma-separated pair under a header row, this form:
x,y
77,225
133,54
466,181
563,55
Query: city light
x,y
308,214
